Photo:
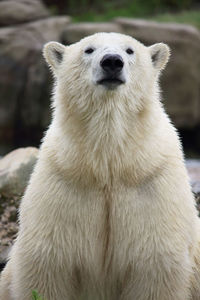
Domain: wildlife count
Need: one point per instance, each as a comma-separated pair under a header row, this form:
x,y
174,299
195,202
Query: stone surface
x,y
15,170
25,81
19,11
8,225
4,256
181,78
193,167
74,32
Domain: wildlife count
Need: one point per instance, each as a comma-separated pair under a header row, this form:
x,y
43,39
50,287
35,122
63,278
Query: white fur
x,y
108,213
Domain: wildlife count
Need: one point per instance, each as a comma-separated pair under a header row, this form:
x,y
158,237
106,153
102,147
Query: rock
x,y
25,80
8,224
15,170
193,167
74,32
14,12
181,79
47,29
4,256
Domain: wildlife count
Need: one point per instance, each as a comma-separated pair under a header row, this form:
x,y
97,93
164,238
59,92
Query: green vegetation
x,y
187,17
178,11
35,296
78,7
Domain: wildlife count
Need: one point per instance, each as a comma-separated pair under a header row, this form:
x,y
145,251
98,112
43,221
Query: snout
x,y
112,63
111,66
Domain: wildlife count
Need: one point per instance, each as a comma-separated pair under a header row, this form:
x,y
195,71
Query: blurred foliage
x,y
35,296
187,17
77,8
181,11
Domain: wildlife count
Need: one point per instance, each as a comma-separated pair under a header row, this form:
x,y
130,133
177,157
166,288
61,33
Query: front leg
x,y
5,282
158,278
195,281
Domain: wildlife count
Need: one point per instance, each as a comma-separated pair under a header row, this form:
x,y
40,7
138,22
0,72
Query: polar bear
x,y
108,213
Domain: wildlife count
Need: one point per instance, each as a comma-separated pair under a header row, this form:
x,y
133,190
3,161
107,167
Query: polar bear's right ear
x,y
53,53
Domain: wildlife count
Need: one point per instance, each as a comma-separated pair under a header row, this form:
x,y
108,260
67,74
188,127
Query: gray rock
x,y
8,224
181,79
15,170
24,78
14,12
4,256
74,32
193,167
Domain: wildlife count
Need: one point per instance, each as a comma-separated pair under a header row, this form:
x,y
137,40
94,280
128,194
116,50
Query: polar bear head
x,y
106,65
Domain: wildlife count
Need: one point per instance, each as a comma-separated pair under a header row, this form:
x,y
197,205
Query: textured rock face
x,y
14,12
74,32
181,79
193,166
25,80
15,170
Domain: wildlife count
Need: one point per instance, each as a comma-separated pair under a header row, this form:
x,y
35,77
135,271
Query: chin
x,y
111,83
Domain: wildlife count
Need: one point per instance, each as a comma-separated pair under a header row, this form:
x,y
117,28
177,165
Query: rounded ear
x,y
53,53
160,54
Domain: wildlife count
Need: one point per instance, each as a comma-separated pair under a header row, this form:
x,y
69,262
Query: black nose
x,y
112,63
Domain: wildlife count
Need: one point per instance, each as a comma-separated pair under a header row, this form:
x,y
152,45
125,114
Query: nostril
x,y
119,63
112,63
107,63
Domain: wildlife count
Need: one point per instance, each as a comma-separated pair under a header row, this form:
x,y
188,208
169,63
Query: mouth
x,y
111,82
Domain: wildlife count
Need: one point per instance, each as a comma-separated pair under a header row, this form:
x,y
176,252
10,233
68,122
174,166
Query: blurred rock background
x,y
26,83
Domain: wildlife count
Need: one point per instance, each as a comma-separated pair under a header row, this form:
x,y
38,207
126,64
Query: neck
x,y
107,142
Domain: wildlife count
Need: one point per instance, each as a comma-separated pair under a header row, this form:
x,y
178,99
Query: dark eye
x,y
129,51
89,50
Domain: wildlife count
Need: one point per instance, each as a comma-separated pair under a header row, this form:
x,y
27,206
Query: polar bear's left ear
x,y
159,55
53,53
